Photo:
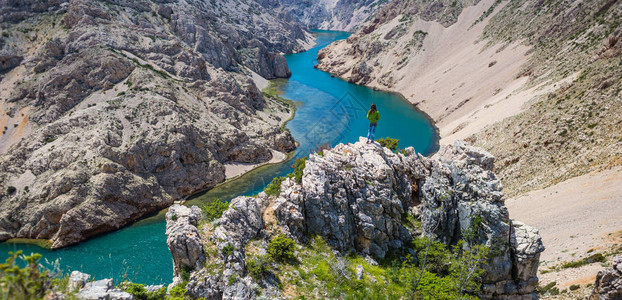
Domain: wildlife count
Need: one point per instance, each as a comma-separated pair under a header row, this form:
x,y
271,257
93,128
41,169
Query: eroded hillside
x,y
113,109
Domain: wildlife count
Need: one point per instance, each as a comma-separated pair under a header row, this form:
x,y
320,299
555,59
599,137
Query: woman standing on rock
x,y
373,116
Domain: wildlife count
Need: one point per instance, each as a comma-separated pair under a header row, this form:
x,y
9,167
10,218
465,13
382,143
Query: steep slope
x,y
345,15
471,64
113,109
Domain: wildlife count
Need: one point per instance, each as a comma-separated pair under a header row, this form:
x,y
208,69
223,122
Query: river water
x,y
329,111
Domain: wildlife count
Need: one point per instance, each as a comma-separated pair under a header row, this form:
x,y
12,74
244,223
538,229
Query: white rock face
x,y
77,280
183,238
355,196
102,290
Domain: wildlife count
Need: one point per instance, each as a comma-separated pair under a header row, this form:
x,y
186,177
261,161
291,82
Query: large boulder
x,y
183,238
102,290
608,285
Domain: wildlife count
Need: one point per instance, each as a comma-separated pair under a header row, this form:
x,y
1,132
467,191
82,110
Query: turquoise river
x,y
329,111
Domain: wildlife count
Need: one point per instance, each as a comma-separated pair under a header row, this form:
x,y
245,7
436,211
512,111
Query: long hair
x,y
372,109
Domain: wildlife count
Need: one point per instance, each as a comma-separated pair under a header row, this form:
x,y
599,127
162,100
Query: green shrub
x,y
178,292
548,287
274,188
388,142
323,271
574,287
299,166
228,249
281,248
29,282
257,267
554,291
214,209
598,257
140,293
185,272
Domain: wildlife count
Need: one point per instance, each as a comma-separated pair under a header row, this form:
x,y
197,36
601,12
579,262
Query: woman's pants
x,y
371,131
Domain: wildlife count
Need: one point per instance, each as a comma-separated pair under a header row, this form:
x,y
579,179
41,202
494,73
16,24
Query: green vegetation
x,y
598,257
140,293
273,91
228,249
442,273
28,282
214,209
274,188
574,287
49,139
550,289
299,167
178,292
257,267
281,248
487,13
388,142
185,272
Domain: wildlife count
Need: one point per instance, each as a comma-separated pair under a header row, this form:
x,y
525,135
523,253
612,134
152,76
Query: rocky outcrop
x,y
355,196
77,280
79,287
608,285
183,238
115,109
102,289
463,200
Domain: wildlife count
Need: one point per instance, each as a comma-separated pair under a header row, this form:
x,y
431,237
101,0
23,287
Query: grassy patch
x,y
397,276
598,257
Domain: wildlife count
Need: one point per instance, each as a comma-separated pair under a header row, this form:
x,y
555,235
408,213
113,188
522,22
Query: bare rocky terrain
x,y
114,109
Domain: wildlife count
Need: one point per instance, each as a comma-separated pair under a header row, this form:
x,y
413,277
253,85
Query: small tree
x,y
281,248
388,142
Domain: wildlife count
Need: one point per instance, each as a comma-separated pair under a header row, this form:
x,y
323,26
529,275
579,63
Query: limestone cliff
x,y
358,198
114,109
